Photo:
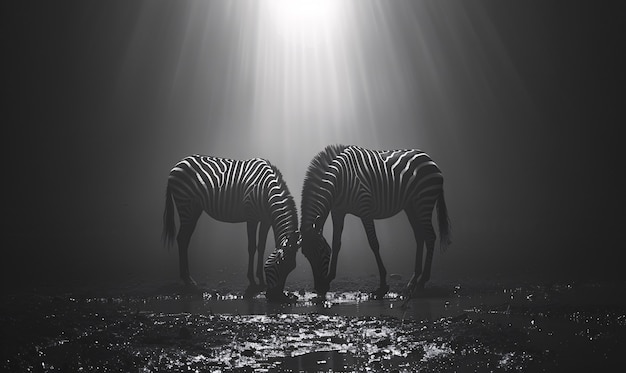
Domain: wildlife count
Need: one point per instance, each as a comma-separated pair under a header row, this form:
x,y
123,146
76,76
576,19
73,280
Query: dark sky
x,y
520,103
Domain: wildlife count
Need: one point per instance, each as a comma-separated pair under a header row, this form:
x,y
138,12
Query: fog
x,y
516,102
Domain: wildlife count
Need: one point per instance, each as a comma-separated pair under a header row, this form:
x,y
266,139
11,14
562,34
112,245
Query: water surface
x,y
456,326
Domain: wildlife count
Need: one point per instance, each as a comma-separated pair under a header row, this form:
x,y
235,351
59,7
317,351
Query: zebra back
x,y
377,183
232,191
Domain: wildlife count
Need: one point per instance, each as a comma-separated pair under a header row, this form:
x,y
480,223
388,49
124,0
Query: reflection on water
x,y
463,326
429,305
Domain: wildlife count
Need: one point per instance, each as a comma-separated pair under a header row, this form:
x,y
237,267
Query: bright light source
x,y
303,21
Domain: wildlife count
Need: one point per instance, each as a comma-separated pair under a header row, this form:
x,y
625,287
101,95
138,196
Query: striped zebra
x,y
234,191
370,184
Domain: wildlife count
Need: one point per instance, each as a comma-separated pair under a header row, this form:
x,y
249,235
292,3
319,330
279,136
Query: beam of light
x,y
302,82
304,21
309,77
281,79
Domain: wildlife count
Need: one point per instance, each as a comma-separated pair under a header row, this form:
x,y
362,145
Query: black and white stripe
x,y
233,191
371,184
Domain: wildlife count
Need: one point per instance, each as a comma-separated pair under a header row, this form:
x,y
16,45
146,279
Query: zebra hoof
x,y
413,290
280,297
319,299
408,291
380,292
189,281
251,291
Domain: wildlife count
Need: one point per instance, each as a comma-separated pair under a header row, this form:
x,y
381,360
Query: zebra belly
x,y
380,213
232,215
226,218
375,211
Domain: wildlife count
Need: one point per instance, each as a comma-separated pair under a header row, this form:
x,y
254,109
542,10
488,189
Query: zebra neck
x,y
284,221
315,213
317,206
281,207
282,233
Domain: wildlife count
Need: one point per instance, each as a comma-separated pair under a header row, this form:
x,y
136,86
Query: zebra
x,y
233,191
371,184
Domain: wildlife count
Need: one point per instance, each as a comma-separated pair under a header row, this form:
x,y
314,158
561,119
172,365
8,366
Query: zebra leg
x,y
370,231
417,281
429,234
260,272
336,246
189,215
251,228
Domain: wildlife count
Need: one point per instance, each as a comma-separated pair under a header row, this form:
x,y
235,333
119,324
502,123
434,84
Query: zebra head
x,y
279,264
317,251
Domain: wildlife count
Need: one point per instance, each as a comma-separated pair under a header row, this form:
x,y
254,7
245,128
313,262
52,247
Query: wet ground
x,y
462,326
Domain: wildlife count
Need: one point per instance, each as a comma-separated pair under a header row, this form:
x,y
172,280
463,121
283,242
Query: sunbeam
x,y
298,75
304,21
305,84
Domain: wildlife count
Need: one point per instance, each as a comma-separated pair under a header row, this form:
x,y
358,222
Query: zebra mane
x,y
315,173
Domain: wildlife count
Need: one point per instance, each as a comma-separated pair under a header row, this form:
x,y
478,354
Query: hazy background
x,y
519,102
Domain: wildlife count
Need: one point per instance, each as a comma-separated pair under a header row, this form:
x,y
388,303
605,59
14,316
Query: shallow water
x,y
464,326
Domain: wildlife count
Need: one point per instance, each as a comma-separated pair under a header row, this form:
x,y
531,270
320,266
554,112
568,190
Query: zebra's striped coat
x,y
370,184
234,191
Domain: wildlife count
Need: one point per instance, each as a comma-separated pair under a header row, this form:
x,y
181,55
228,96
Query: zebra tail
x,y
169,225
445,228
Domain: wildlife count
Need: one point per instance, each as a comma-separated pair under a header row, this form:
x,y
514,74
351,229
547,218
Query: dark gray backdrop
x,y
520,103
